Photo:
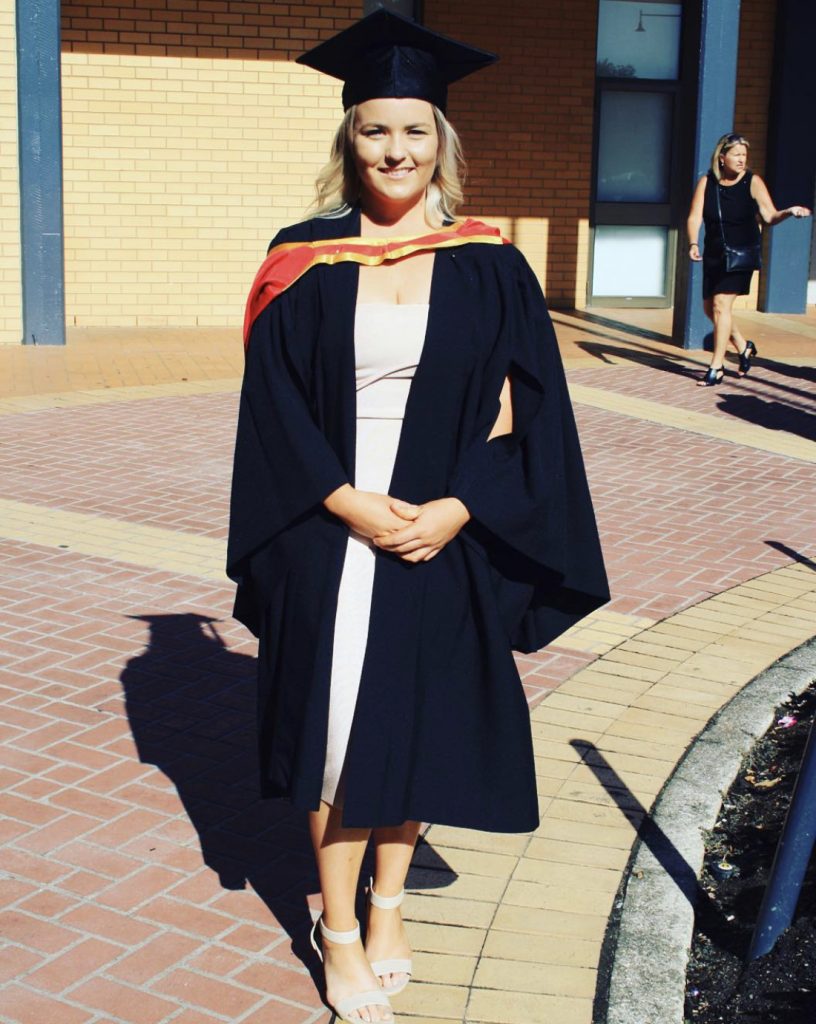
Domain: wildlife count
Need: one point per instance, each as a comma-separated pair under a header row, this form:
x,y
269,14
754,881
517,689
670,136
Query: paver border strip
x,y
642,971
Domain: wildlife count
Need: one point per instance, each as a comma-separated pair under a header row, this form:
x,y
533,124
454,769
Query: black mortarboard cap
x,y
386,55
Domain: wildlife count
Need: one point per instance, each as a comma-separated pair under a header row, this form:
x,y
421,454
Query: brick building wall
x,y
190,137
527,127
754,68
237,29
11,328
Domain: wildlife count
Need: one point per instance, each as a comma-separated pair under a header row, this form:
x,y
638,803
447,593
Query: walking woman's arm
x,y
767,210
695,219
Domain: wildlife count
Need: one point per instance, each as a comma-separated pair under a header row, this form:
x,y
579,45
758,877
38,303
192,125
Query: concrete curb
x,y
643,963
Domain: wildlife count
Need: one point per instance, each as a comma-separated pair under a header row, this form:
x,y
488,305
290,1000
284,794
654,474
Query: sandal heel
x,y
746,357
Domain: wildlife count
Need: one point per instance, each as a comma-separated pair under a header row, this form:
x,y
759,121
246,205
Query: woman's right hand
x,y
694,252
368,513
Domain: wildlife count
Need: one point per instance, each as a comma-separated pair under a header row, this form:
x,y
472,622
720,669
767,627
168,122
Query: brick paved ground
x,y
143,882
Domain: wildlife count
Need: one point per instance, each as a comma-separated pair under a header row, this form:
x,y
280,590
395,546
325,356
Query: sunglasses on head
x,y
733,138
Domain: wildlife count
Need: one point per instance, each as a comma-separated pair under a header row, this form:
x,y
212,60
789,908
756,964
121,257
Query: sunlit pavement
x,y
142,879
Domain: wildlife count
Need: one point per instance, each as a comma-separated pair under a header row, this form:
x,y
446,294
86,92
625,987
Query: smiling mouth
x,y
397,172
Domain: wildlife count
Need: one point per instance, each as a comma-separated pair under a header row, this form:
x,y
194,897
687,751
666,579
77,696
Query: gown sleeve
x,y
284,464
527,491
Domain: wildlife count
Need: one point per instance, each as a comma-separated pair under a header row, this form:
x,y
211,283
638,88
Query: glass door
x,y
633,232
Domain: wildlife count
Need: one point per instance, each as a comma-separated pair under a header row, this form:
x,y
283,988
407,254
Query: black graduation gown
x,y
441,730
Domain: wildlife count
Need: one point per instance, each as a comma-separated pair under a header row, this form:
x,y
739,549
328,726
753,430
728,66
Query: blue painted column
x,y
40,145
716,90
791,161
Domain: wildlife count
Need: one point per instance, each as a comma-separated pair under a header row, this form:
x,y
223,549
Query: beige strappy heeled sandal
x,y
375,997
383,967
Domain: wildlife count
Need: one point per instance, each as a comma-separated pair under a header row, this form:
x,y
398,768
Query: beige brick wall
x,y
11,327
189,140
190,137
178,171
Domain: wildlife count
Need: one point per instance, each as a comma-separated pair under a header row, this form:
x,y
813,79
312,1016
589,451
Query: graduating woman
x,y
409,501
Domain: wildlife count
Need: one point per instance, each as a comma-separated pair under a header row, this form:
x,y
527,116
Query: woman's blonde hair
x,y
338,184
725,143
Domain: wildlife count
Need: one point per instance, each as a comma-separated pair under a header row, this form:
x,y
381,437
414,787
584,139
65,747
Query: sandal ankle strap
x,y
384,902
342,938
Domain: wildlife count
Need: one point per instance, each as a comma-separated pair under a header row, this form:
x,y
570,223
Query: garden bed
x,y
780,987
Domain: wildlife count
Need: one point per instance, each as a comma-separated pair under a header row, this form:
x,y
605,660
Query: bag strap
x,y
719,211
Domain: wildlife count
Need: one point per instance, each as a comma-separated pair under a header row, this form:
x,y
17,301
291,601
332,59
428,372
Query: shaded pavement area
x,y
144,882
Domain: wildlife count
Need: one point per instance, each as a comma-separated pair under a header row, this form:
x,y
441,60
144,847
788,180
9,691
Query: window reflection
x,y
634,147
638,40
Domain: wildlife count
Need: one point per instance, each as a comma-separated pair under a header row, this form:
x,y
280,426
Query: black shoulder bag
x,y
748,257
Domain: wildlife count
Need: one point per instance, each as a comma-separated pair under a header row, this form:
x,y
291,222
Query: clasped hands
x,y
417,533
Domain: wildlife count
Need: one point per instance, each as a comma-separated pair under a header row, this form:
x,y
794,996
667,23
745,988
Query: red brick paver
x,y
143,879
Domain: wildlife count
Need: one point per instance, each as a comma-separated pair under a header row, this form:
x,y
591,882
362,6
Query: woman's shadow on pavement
x,y
190,702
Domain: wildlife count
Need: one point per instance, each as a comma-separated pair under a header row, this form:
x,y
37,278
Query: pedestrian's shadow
x,y
772,415
806,373
619,325
190,703
642,355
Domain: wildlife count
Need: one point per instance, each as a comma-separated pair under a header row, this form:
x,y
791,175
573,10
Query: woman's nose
x,y
396,150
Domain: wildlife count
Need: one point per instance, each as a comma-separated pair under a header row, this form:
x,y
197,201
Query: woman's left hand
x,y
799,211
435,525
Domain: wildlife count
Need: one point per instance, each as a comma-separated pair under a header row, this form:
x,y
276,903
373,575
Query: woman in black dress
x,y
743,198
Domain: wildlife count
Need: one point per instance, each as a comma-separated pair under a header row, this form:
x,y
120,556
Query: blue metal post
x,y
792,858
791,162
716,90
40,145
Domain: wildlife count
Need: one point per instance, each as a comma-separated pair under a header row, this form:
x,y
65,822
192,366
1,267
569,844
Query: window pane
x,y
639,40
634,147
407,8
630,261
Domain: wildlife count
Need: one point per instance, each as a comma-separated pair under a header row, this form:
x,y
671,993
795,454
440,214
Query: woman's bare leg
x,y
339,853
737,339
386,938
721,306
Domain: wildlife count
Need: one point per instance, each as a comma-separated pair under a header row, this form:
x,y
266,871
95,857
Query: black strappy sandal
x,y
714,375
745,357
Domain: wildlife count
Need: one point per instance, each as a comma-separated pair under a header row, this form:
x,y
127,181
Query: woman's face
x,y
395,149
735,160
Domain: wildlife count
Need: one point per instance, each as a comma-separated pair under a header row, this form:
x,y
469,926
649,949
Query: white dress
x,y
388,342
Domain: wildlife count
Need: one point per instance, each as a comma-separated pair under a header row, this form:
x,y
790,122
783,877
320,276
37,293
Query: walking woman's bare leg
x,y
737,339
721,306
339,853
386,938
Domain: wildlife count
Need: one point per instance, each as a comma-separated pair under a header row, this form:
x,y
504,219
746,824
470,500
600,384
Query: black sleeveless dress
x,y
739,213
